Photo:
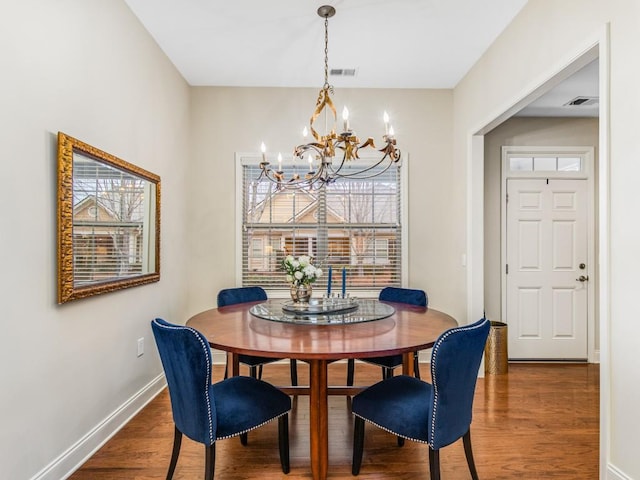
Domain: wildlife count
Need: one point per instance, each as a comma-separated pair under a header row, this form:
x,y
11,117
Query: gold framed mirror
x,y
108,222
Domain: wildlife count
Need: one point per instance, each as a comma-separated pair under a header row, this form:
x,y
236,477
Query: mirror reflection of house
x,y
104,246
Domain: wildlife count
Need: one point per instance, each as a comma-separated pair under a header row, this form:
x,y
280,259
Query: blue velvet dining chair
x,y
207,412
234,296
390,362
437,413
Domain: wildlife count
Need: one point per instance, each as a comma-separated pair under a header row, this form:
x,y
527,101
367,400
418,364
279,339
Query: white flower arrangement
x,y
300,271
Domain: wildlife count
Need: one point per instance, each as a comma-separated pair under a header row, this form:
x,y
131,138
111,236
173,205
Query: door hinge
x,y
507,269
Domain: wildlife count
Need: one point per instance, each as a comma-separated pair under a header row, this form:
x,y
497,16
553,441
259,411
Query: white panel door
x,y
547,271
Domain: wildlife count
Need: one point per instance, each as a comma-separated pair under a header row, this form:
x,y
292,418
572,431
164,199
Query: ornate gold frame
x,y
67,288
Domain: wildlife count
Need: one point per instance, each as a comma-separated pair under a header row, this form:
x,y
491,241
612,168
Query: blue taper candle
x,y
344,282
329,282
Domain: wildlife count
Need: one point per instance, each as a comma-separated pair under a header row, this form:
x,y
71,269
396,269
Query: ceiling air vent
x,y
343,72
582,102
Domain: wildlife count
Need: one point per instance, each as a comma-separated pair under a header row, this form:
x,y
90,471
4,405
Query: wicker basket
x,y
496,357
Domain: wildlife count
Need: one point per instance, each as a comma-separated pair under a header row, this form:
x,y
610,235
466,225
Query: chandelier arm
x,y
360,172
308,180
359,175
299,184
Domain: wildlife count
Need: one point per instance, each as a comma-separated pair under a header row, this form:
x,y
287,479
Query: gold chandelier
x,y
320,153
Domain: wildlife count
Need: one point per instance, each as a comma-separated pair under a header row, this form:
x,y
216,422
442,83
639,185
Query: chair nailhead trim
x,y
252,428
390,431
433,374
207,352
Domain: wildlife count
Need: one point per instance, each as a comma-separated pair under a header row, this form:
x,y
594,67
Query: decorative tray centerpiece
x,y
321,306
323,311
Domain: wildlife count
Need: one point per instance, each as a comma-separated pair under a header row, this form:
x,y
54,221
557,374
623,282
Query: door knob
x,y
583,278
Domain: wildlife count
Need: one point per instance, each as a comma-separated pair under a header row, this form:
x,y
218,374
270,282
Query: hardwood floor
x,y
536,422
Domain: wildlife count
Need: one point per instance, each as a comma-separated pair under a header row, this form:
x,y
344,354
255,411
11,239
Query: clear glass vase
x,y
301,293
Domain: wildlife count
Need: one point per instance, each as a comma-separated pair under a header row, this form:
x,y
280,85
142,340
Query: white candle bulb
x,y
345,118
310,163
391,132
279,162
305,132
385,117
263,149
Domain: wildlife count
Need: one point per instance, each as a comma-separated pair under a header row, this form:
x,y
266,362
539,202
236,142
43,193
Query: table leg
x,y
235,365
318,419
407,364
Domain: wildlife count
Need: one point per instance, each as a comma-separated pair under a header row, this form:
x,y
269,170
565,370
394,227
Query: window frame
x,y
254,158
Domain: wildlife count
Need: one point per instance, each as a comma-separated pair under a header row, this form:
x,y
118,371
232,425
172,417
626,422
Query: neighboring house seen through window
x,y
352,224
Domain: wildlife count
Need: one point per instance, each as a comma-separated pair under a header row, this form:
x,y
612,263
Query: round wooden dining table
x,y
236,330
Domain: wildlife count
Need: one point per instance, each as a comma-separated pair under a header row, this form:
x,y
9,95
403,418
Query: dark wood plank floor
x,y
536,422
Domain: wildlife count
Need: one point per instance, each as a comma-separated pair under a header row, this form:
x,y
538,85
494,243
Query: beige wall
x,y
520,131
229,120
70,373
90,70
545,37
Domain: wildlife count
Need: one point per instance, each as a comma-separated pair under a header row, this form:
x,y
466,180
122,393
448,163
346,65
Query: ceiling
x,y
399,44
556,103
280,43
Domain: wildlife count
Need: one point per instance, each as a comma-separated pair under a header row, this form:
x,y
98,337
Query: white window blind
x,y
108,222
351,224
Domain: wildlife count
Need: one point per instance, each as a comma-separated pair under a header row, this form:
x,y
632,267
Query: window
x,y
352,224
569,163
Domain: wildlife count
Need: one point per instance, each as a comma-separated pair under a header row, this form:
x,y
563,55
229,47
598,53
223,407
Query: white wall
x,y
88,69
229,120
541,40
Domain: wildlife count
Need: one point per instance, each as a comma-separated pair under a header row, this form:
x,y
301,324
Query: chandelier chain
x,y
326,53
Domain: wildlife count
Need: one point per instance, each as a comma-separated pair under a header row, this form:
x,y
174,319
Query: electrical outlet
x,y
140,346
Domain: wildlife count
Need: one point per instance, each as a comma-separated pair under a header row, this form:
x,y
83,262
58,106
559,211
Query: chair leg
x,y
260,372
416,365
466,439
177,441
401,441
358,445
434,464
294,372
253,372
350,371
209,461
283,442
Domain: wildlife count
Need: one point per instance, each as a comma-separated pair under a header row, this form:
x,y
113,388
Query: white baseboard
x,y
218,357
614,473
424,356
69,461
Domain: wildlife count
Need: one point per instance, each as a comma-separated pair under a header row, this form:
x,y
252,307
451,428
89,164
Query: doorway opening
x,y
548,250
